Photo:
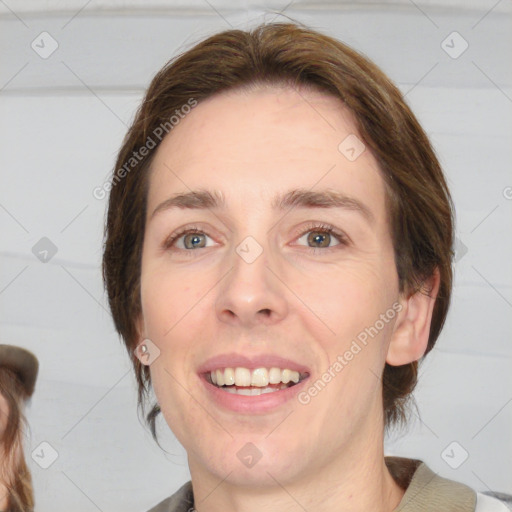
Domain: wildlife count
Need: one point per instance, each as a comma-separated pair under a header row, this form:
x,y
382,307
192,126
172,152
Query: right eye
x,y
187,239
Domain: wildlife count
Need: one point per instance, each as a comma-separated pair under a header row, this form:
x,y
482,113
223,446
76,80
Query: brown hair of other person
x,y
14,473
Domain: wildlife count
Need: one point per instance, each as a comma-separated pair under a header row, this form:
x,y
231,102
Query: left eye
x,y
318,238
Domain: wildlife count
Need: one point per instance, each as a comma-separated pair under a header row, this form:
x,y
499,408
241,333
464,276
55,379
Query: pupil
x,y
319,238
192,242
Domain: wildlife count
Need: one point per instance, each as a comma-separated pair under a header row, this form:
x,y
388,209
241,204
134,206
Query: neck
x,y
355,479
378,492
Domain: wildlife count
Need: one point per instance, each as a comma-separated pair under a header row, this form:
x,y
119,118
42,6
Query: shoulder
x,y
427,490
430,491
181,501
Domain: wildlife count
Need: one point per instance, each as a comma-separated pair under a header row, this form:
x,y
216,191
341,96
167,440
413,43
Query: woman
x,y
277,259
18,374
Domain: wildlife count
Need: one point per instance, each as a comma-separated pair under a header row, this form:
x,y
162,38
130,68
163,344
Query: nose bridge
x,y
251,293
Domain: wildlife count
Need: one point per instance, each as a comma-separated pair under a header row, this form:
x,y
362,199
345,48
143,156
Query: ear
x,y
412,328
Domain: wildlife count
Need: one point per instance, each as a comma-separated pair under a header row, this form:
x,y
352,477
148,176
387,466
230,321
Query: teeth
x,y
242,377
229,376
274,376
252,391
259,377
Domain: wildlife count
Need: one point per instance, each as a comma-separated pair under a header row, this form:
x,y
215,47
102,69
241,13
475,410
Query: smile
x,y
244,381
252,384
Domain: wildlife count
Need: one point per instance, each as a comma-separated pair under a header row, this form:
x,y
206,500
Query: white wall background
x,y
62,121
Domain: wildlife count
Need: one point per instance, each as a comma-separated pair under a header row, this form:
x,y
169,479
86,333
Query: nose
x,y
252,293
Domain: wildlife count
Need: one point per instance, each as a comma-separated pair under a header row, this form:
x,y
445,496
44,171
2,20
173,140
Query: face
x,y
248,284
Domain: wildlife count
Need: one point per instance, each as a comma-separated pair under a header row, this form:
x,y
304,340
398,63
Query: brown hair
x,y
14,473
419,206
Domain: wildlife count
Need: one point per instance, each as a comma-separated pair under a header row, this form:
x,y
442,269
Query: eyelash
x,y
318,227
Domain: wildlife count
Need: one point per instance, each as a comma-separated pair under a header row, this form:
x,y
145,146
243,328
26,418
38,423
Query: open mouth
x,y
258,381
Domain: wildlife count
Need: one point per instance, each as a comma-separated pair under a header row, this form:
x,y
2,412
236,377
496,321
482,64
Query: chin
x,y
247,464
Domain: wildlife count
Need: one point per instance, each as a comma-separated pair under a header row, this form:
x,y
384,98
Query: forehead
x,y
253,143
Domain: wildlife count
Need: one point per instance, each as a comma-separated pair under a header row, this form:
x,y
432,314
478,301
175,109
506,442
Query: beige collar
x,y
426,490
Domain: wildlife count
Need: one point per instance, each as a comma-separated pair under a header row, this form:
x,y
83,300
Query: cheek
x,y
346,298
168,297
172,302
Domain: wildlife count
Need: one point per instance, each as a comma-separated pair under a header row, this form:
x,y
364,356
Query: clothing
x,y
425,492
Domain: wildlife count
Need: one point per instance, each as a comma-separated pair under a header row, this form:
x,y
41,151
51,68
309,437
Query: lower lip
x,y
252,404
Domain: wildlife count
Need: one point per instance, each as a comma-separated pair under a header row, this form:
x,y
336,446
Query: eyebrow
x,y
299,198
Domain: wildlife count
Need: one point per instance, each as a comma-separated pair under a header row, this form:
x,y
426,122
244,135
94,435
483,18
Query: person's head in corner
x,y
18,374
278,221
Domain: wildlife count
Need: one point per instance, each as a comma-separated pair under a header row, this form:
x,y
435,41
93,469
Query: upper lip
x,y
233,360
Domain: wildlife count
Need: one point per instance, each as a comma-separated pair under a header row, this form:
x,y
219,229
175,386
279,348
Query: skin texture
x,y
291,301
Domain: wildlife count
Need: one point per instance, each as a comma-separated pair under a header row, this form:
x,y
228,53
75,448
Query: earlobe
x,y
412,328
142,353
147,352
